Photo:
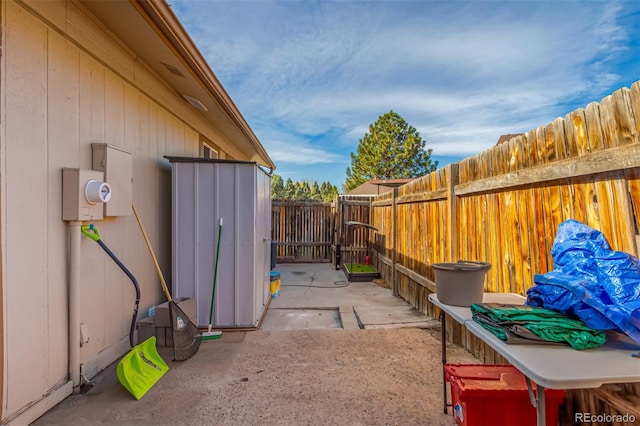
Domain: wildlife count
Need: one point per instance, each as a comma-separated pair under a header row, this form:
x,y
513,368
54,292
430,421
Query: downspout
x,y
74,304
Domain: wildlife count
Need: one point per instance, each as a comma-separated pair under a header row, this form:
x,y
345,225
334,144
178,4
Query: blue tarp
x,y
590,281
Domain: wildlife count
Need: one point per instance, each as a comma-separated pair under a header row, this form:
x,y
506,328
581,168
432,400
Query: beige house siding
x,y
67,82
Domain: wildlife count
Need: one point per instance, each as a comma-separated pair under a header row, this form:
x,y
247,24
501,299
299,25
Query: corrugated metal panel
x,y
237,192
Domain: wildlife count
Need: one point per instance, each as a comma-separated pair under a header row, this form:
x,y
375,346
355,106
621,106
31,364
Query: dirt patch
x,y
307,377
381,283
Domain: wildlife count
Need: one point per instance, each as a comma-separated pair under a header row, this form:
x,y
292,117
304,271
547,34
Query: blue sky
x,y
310,77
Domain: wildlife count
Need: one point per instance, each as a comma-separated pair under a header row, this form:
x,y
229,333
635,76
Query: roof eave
x,y
167,24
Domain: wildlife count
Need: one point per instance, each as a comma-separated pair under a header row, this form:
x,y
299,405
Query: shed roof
x,y
378,186
507,137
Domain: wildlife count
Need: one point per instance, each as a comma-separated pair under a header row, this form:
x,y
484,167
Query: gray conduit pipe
x,y
75,237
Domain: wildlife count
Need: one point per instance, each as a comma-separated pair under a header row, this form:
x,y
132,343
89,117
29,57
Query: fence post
x,y
394,256
452,225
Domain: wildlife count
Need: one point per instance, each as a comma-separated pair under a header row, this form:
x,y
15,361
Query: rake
x,y
186,336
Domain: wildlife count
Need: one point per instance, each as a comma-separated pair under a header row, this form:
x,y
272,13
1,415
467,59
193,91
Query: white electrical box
x,y
83,194
117,165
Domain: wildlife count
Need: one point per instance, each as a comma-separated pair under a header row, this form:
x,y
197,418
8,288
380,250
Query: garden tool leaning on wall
x,y
186,336
142,367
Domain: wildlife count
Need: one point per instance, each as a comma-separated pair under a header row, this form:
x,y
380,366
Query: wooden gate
x,y
302,231
354,242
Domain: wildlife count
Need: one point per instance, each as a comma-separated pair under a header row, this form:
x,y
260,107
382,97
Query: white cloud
x,y
286,148
462,73
283,152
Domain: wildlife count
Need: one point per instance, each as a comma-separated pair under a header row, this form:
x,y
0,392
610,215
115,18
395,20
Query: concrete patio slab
x,y
297,377
348,318
393,317
302,319
323,355
318,286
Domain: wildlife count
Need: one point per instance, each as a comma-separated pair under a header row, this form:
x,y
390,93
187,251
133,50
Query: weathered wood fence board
x,y
303,231
309,231
504,206
355,242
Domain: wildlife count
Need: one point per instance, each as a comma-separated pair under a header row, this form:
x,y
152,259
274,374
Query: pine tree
x,y
289,190
324,190
314,194
392,149
277,187
302,190
331,194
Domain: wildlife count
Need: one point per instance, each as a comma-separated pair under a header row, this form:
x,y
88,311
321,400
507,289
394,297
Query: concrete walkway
x,y
316,296
328,352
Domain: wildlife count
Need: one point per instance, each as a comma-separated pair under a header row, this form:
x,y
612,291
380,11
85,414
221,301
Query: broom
x,y
210,335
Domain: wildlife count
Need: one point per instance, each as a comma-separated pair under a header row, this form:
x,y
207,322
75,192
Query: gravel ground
x,y
299,377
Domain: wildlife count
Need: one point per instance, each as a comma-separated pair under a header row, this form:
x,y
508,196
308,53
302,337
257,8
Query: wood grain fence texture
x,y
302,230
504,206
308,231
355,241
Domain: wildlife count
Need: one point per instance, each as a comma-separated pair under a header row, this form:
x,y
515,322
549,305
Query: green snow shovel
x,y
142,367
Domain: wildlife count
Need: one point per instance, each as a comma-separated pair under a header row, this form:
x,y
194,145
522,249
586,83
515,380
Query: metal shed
x,y
239,192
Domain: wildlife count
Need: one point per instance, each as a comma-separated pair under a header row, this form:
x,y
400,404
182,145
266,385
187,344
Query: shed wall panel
x,y
263,227
203,193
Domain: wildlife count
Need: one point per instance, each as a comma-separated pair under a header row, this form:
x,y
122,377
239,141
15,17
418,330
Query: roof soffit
x,y
152,31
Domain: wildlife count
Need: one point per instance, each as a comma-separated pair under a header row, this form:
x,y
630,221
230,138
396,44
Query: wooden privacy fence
x,y
353,240
504,205
310,231
302,230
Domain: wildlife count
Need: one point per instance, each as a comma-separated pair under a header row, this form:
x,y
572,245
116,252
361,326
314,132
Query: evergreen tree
x,y
289,190
314,194
392,149
302,191
277,187
331,194
323,190
328,192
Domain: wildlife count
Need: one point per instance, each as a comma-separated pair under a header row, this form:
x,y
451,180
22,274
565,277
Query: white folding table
x,y
555,367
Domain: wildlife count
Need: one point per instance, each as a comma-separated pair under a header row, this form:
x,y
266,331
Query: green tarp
x,y
527,324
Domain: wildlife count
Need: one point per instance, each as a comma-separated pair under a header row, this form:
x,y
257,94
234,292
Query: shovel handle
x,y
90,231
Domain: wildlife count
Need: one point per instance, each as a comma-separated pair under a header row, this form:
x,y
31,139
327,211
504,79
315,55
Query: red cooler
x,y
496,395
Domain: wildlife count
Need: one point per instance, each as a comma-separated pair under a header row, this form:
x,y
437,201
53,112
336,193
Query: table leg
x,y
541,406
538,401
443,324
